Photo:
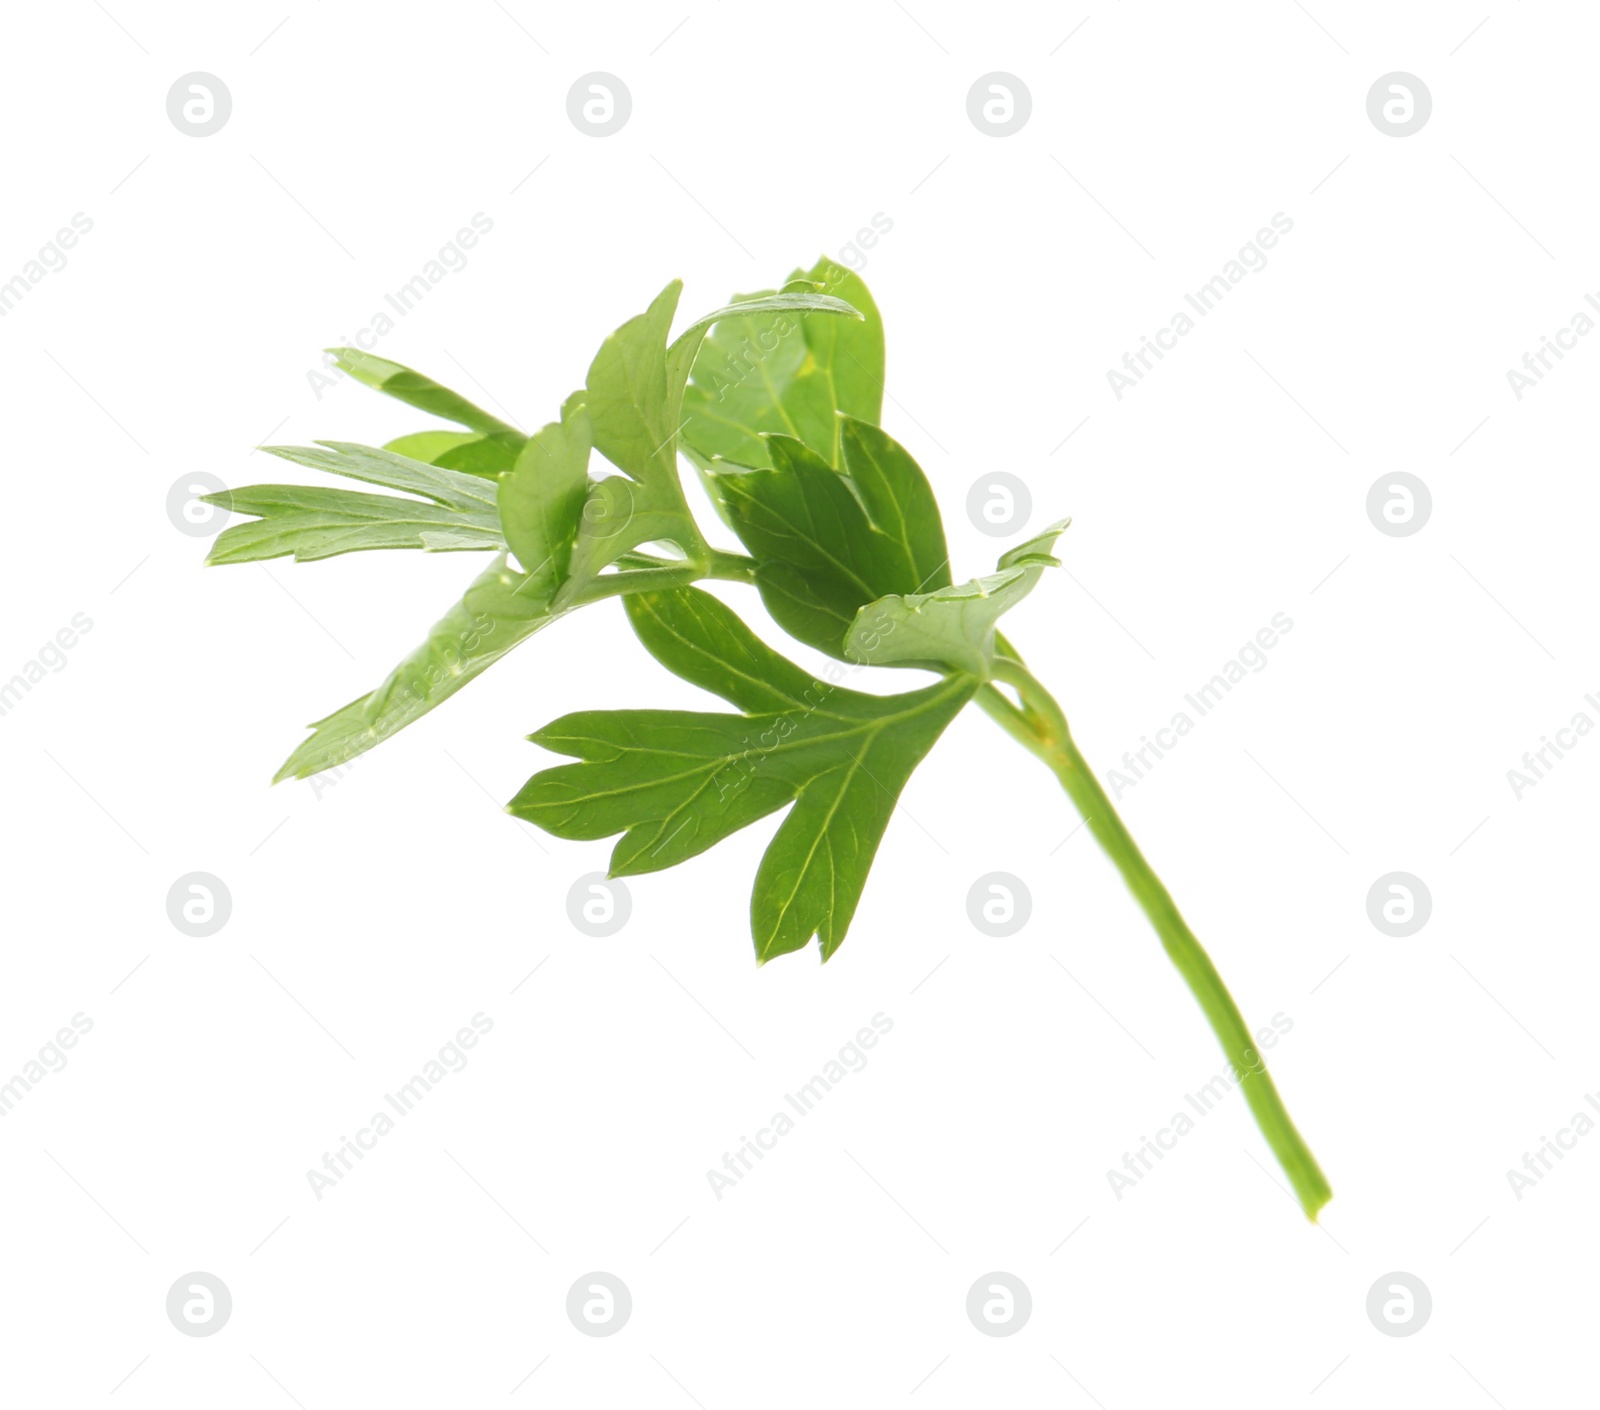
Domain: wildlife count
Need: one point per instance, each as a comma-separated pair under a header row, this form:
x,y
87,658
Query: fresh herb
x,y
775,400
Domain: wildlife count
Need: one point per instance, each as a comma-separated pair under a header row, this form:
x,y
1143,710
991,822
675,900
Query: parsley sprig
x,y
775,400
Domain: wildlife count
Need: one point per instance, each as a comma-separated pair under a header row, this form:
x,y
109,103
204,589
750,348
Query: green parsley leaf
x,y
899,502
414,389
396,472
452,511
953,628
675,782
500,609
825,543
311,522
542,498
634,396
631,401
488,456
762,373
428,446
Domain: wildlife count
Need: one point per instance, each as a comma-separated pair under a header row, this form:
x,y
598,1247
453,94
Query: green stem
x,y
641,573
659,579
1041,727
732,567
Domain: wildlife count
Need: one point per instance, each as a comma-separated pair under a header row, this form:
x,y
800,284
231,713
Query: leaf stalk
x,y
1041,727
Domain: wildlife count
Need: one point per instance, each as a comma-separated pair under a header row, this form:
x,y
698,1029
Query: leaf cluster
x,y
775,400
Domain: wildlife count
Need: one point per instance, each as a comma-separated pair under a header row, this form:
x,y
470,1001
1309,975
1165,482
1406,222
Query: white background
x,y
1225,488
